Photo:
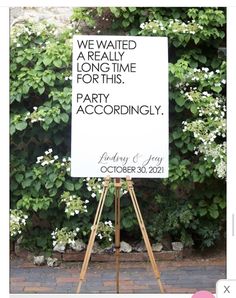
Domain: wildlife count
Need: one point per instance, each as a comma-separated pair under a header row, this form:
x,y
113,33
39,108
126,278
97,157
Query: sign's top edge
x,y
118,36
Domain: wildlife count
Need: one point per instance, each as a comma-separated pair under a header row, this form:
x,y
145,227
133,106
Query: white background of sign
x,y
120,145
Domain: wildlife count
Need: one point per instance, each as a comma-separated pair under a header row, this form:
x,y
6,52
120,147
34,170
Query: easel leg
x,y
94,229
117,183
144,233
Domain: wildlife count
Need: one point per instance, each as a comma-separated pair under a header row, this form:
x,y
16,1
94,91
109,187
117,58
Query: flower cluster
x,y
221,168
48,158
94,185
17,221
35,116
40,114
211,122
31,29
175,26
212,77
74,204
105,231
206,135
209,129
64,236
216,153
68,78
205,77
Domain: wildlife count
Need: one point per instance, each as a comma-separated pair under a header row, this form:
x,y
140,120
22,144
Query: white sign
x,y
120,107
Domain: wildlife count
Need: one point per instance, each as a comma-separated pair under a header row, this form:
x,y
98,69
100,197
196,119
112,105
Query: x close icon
x,y
226,289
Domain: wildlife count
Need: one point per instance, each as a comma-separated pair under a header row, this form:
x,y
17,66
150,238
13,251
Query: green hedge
x,y
48,206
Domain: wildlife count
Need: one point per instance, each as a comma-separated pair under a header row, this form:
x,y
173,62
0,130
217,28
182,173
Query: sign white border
x,y
120,107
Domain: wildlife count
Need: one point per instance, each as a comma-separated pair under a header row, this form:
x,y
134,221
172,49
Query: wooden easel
x,y
94,228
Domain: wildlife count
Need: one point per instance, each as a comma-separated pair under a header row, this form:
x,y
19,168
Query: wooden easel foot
x,y
79,287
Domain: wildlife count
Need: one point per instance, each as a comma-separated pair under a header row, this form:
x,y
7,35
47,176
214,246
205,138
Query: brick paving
x,y
183,276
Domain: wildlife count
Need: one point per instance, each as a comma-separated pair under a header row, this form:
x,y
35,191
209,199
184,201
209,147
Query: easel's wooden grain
x,y
118,184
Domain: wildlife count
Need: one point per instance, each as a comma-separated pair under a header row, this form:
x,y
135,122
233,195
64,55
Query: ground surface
x,y
184,276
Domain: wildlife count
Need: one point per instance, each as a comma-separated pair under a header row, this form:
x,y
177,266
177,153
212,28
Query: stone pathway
x,y
185,276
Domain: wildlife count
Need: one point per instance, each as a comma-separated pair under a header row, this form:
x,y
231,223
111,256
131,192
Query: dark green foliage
x,y
190,204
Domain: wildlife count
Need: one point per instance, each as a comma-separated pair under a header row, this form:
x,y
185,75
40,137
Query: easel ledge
x,y
94,228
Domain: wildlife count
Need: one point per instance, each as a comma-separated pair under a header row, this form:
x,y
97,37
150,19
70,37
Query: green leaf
x,y
37,185
25,88
58,183
58,139
125,23
41,242
222,204
196,39
202,169
176,43
109,200
48,120
195,176
47,61
180,100
19,59
185,162
215,63
49,184
179,144
52,177
47,79
214,213
202,203
127,223
57,63
52,191
57,119
12,129
176,134
202,59
174,161
190,147
134,32
19,177
193,108
202,212
26,183
115,11
179,109
69,185
217,89
132,9
64,117
41,90
78,185
21,125
35,208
